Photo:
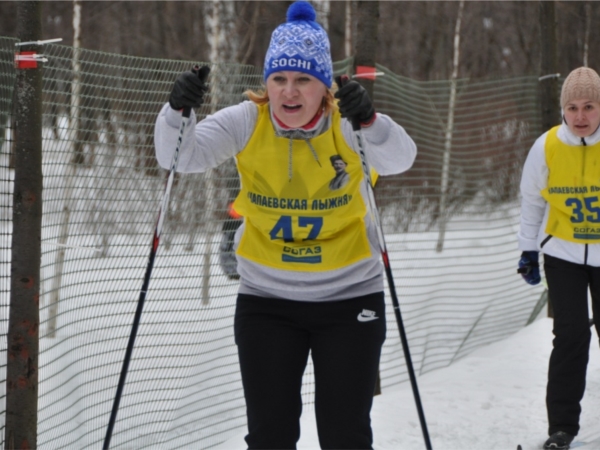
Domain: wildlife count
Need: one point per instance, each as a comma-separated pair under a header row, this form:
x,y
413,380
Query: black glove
x,y
355,102
529,267
189,88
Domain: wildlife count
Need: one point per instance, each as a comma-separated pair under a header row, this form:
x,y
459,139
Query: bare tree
x,y
323,9
449,129
348,29
224,46
499,38
24,318
549,65
366,44
586,40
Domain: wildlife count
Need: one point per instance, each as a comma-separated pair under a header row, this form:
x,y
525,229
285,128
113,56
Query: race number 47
x,y
284,228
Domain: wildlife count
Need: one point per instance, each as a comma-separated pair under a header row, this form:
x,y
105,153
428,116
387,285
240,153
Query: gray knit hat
x,y
581,83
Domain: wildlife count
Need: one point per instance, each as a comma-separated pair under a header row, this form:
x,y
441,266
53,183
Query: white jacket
x,y
221,136
534,208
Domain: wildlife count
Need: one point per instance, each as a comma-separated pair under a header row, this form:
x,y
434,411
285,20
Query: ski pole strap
x,y
528,268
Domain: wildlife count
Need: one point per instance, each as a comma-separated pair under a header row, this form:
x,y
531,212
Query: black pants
x,y
568,291
274,338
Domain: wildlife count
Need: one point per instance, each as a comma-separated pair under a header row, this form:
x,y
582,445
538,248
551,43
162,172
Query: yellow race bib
x,y
313,221
573,191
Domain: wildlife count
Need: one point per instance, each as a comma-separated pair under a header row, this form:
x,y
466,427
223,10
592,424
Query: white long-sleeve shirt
x,y
534,208
224,134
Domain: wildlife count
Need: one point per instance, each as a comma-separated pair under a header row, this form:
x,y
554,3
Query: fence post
x,y
23,322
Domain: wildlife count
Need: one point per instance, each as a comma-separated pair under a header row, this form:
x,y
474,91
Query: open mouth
x,y
291,108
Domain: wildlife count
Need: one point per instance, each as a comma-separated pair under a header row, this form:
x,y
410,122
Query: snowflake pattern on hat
x,y
300,45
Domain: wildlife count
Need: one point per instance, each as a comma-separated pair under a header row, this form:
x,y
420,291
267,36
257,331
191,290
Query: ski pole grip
x,y
342,80
188,111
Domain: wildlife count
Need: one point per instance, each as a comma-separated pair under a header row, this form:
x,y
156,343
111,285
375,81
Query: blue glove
x,y
529,267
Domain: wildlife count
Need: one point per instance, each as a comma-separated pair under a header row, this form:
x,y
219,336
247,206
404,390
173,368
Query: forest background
x,y
498,38
417,41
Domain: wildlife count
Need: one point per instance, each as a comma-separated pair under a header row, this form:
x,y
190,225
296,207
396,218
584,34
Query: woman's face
x,y
295,97
582,116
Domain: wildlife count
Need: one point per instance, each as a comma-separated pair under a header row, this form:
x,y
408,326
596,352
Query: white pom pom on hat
x,y
581,83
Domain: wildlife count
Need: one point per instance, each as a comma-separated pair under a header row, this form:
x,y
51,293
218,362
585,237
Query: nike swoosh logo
x,y
362,318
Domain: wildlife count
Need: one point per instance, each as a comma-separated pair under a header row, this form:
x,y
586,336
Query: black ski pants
x,y
274,338
568,291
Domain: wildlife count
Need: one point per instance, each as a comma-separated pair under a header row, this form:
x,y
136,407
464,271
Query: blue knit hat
x,y
300,45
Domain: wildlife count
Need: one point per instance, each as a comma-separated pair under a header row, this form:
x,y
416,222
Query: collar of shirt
x,y
568,137
316,126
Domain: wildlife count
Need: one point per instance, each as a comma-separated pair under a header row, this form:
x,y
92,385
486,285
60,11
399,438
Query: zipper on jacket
x,y
585,254
584,155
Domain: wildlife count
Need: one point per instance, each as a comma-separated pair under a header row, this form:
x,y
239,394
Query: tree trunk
x,y
587,10
219,24
443,216
549,66
24,319
75,116
322,8
549,94
367,41
348,29
365,54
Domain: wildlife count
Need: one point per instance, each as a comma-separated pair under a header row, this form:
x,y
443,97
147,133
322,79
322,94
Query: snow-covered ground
x,y
491,399
480,389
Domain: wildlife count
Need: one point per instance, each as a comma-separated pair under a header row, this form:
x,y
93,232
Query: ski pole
x,y
138,313
342,80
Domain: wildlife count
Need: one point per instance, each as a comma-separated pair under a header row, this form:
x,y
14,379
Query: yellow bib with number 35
x,y
573,190
311,221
